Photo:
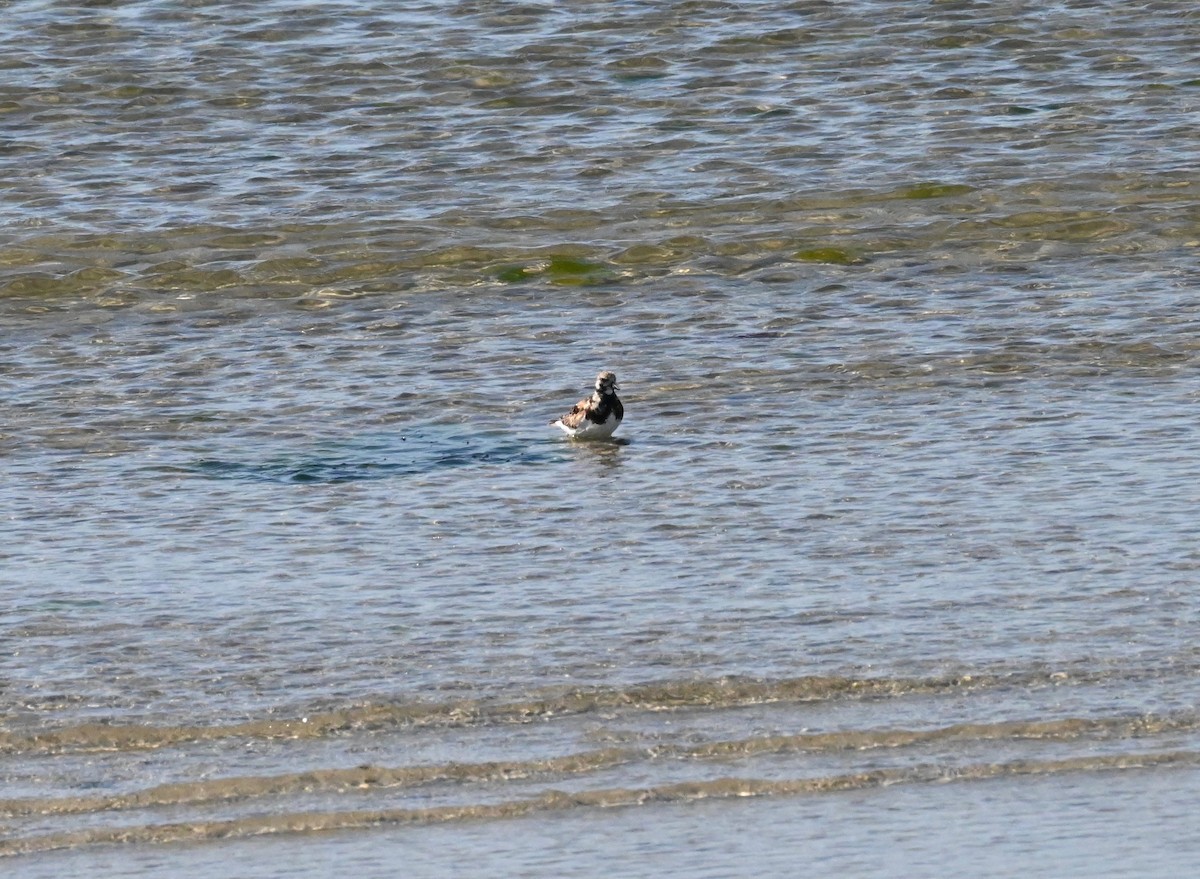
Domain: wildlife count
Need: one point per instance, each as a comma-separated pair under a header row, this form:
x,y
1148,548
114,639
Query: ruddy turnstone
x,y
597,416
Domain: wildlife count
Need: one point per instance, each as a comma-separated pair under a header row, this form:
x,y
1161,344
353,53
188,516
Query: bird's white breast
x,y
592,430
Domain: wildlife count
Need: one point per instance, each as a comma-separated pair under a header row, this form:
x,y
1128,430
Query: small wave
x,y
560,801
368,777
664,696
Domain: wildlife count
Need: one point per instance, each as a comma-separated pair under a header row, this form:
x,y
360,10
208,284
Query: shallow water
x,y
903,304
875,834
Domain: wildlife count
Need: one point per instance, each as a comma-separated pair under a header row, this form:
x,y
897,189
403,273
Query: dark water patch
x,y
301,472
408,453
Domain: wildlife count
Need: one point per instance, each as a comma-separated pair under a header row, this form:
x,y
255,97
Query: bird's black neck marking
x,y
607,405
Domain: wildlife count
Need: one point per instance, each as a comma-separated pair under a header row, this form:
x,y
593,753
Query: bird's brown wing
x,y
578,414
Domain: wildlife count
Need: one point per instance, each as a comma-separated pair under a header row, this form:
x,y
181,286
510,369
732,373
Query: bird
x,y
597,416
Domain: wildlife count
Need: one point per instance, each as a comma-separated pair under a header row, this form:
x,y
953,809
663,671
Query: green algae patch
x,y
835,256
82,282
514,274
958,41
196,279
639,68
563,270
936,190
31,284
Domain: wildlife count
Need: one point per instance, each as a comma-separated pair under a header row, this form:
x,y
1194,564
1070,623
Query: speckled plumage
x,y
597,416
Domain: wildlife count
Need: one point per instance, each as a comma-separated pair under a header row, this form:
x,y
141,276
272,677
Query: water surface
x,y
903,304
